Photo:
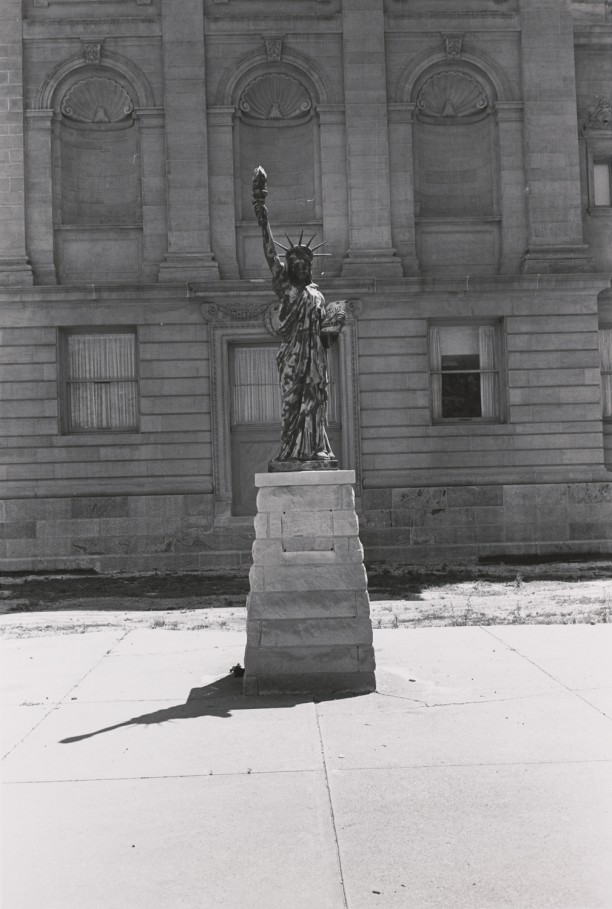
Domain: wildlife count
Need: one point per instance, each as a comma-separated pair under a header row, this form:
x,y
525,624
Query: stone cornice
x,y
264,287
113,294
595,36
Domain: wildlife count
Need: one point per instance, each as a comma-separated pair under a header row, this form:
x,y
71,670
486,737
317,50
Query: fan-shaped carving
x,y
451,94
275,97
97,100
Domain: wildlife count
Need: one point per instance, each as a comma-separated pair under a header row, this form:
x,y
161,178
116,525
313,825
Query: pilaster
x,y
367,144
223,198
14,266
401,119
39,213
512,203
154,208
551,138
334,187
189,255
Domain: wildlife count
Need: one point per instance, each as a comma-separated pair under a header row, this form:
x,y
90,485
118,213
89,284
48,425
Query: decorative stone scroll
x,y
261,312
275,97
601,116
233,312
97,100
452,94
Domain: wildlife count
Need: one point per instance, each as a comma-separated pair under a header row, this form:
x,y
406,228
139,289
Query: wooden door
x,y
255,417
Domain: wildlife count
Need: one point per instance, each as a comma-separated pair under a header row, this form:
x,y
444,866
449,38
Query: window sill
x,y
457,219
472,421
96,434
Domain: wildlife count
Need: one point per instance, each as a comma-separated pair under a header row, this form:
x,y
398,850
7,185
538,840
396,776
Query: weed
x,y
469,612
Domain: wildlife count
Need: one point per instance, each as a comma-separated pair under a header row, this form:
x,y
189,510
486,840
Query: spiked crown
x,y
301,250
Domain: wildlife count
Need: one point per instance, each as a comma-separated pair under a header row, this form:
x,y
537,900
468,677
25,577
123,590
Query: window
x,y
602,182
464,364
605,350
99,379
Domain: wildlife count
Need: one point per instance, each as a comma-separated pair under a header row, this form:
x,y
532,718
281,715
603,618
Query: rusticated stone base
x,y
308,625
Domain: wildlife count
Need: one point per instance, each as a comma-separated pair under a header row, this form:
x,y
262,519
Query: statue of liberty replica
x,y
308,327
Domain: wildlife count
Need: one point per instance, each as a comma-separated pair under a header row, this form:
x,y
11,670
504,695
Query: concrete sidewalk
x,y
479,775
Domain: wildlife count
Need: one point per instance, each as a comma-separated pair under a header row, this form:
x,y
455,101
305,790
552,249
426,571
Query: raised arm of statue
x,y
259,196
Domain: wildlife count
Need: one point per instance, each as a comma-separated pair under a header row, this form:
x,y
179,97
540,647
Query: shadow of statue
x,y
219,699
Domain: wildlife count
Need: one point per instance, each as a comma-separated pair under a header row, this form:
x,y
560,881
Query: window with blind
x,y
602,183
605,350
465,372
99,380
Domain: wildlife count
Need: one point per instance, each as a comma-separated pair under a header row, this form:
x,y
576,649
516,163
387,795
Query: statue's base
x,y
308,612
276,466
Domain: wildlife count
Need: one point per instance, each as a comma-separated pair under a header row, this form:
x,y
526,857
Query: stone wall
x,y
124,533
476,523
411,526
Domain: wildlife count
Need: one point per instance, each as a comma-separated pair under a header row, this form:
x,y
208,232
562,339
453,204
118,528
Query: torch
x,y
259,192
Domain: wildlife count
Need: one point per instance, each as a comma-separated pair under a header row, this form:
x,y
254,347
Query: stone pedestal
x,y
308,625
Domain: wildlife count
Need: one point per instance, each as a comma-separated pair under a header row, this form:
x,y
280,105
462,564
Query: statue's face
x,y
299,270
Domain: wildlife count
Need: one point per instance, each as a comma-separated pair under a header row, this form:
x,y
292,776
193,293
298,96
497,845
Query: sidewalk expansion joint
x,y
550,675
331,810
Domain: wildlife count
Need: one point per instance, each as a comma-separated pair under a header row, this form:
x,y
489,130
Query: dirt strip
x,y
444,596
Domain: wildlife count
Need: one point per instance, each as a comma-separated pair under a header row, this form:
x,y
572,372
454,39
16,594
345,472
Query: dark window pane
x,y
460,361
461,395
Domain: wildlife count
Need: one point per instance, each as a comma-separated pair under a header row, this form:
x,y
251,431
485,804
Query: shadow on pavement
x,y
219,699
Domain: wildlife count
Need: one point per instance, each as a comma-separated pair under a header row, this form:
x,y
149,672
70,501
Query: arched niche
x,y
456,169
74,67
480,66
276,125
87,131
269,112
98,155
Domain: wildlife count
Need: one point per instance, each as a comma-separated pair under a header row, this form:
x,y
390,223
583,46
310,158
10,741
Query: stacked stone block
x,y
309,623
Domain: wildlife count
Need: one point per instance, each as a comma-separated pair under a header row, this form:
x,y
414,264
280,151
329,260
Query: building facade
x,y
455,157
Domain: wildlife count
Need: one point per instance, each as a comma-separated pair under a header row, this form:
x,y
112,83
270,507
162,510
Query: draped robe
x,y
302,367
